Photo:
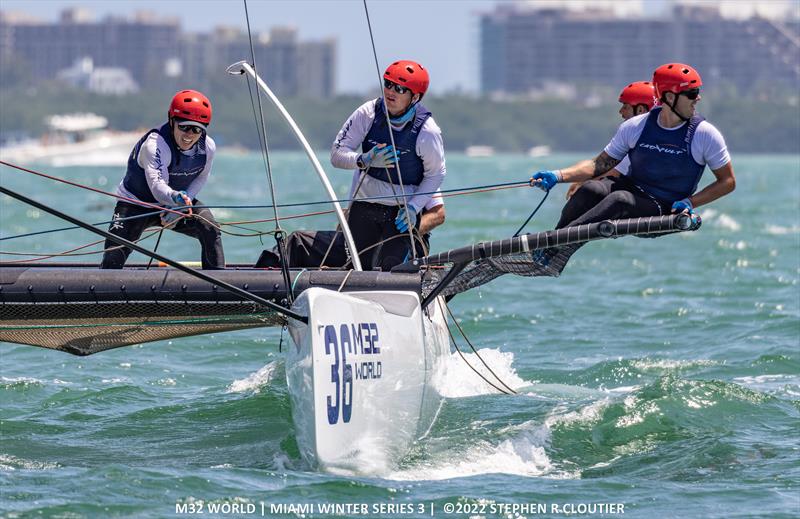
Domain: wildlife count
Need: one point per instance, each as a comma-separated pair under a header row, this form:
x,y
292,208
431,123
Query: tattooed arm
x,y
587,169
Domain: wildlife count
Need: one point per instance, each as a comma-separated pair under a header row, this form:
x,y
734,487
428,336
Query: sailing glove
x,y
184,205
181,198
401,222
377,158
545,180
683,205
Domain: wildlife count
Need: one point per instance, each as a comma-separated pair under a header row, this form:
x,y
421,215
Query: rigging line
x,y
36,233
155,249
362,176
255,232
68,252
263,129
473,368
175,210
280,236
391,138
531,215
192,272
390,238
445,192
463,334
255,120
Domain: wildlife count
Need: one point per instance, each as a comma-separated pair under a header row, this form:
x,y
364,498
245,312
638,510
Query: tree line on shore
x,y
750,125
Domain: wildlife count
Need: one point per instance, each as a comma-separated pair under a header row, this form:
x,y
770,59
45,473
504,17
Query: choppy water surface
x,y
663,375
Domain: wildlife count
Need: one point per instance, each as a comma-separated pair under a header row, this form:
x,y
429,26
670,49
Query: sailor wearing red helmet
x,y
169,166
363,144
636,99
669,148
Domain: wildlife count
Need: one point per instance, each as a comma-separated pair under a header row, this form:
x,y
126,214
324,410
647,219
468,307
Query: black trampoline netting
x,y
538,254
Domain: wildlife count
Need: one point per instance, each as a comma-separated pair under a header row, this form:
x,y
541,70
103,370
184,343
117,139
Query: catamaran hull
x,y
88,310
361,376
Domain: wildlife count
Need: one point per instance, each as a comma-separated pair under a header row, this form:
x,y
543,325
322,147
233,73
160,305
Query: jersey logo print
x,y
669,149
344,133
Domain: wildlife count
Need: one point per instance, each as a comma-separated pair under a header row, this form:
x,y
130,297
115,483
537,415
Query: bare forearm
x,y
587,169
724,184
711,192
431,219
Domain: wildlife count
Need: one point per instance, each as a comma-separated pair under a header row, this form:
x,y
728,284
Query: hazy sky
x,y
441,34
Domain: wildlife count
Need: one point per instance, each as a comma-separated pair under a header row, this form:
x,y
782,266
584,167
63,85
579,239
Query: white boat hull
x,y
361,375
107,149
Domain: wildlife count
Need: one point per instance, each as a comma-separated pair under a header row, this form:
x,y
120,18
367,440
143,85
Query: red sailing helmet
x,y
191,105
639,93
675,77
408,74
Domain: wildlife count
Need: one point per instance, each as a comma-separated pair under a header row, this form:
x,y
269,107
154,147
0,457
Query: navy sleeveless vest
x,y
405,142
182,169
662,162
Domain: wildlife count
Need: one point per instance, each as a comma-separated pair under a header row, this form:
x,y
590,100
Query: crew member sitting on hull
x,y
378,213
637,98
669,148
313,249
169,166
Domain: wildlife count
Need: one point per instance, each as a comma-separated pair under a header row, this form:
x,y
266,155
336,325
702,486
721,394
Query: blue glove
x,y
401,222
181,198
545,180
378,158
683,205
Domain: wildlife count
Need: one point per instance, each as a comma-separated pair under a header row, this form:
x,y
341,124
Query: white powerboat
x,y
79,139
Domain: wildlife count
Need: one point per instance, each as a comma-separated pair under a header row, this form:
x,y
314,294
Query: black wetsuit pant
x,y
205,230
372,224
308,249
610,198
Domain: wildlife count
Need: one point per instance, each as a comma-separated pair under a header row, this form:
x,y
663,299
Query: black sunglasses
x,y
691,94
397,88
186,128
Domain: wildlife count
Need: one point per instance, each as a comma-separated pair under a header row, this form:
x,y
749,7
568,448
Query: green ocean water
x,y
661,375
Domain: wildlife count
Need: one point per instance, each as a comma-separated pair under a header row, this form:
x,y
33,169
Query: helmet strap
x,y
673,106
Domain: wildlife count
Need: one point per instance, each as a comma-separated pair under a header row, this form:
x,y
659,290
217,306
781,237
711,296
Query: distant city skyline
x,y
441,34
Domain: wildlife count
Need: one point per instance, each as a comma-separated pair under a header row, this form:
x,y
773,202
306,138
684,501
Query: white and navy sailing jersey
x,y
707,144
155,157
429,147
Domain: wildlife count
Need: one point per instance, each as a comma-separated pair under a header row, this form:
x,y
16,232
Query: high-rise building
x,y
141,45
158,55
524,50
